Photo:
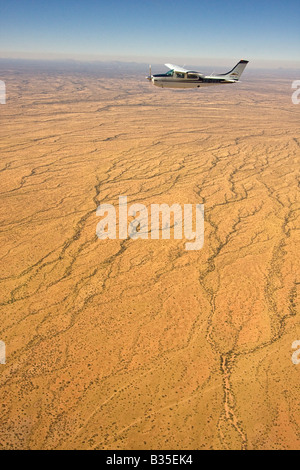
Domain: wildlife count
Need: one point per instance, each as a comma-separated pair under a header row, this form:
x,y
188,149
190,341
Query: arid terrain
x,y
141,344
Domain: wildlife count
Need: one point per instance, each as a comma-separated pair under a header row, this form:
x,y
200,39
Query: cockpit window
x,y
192,76
179,75
170,73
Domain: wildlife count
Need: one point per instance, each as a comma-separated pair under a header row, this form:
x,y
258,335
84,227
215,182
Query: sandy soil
x,y
140,344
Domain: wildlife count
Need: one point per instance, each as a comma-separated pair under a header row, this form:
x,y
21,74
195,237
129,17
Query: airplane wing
x,y
176,68
182,70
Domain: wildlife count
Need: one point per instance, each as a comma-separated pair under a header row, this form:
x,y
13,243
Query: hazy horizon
x,y
215,63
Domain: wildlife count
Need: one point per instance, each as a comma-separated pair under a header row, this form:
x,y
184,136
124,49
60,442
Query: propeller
x,y
150,73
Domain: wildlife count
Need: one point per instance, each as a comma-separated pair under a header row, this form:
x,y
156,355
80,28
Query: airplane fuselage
x,y
167,81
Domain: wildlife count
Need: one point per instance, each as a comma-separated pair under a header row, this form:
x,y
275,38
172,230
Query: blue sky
x,y
151,29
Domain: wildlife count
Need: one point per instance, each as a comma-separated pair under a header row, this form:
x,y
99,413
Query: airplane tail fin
x,y
236,72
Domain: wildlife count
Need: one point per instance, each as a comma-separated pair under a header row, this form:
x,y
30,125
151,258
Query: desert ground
x,y
141,344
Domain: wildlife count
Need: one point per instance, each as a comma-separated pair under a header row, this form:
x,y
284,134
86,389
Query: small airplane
x,y
179,77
